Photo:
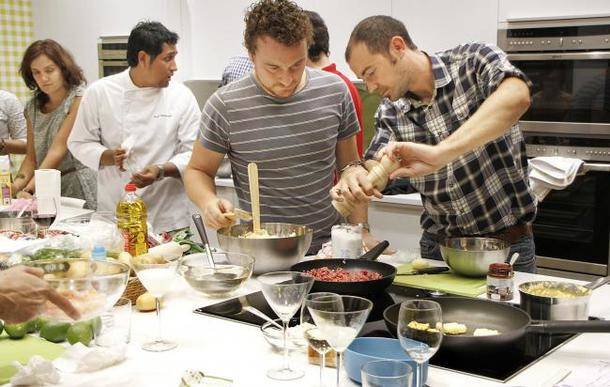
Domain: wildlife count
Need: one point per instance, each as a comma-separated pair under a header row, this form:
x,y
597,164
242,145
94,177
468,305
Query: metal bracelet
x,y
352,164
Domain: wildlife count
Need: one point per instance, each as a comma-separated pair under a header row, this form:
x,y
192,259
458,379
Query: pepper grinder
x,y
378,176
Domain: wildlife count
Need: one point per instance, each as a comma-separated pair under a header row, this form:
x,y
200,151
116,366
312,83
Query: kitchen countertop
x,y
229,349
413,199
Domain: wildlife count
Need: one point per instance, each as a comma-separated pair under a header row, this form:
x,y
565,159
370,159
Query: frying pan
x,y
359,288
511,322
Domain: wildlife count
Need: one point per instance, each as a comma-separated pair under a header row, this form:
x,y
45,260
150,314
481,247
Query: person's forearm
x,y
200,187
494,117
53,158
360,213
13,147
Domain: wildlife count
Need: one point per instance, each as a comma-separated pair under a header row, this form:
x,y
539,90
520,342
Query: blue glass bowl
x,y
365,349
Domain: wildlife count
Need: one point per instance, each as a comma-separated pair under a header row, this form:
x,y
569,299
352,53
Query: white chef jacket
x,y
165,122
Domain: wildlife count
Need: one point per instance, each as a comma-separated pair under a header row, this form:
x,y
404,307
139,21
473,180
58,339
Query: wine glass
x,y
285,291
44,212
157,278
420,330
341,322
311,332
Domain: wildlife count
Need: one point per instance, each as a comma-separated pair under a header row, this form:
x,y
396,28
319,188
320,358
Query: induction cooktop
x,y
534,347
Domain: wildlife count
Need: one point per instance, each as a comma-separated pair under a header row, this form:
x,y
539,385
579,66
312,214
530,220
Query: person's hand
x,y
354,186
24,195
370,241
214,213
415,159
23,293
146,176
120,155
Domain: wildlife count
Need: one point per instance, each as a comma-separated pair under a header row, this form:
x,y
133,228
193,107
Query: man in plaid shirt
x,y
451,118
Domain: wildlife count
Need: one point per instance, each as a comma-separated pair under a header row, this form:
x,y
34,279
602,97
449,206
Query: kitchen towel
x,y
445,282
547,173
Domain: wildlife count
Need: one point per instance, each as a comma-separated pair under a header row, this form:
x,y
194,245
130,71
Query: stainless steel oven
x,y
112,55
568,62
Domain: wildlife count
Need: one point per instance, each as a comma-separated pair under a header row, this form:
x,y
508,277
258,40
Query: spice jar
x,y
500,282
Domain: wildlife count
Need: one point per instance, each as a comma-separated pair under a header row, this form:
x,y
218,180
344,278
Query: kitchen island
x,y
238,351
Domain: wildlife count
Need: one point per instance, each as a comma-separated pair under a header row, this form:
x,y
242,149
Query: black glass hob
x,y
511,362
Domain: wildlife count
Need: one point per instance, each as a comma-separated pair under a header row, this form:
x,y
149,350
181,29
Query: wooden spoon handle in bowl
x,y
254,197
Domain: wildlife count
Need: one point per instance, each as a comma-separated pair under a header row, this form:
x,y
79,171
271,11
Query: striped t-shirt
x,y
292,140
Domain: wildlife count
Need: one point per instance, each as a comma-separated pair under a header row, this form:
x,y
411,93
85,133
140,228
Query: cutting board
x,y
22,350
445,282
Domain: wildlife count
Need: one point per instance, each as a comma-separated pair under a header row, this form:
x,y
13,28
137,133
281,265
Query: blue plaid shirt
x,y
485,190
238,67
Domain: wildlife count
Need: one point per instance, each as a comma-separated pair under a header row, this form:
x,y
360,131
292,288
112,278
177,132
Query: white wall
x,y
211,31
76,24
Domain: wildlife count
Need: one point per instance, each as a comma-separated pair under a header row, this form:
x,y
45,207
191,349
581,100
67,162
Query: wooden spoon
x,y
254,197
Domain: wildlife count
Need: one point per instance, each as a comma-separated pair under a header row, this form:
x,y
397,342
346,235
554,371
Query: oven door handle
x,y
561,56
598,167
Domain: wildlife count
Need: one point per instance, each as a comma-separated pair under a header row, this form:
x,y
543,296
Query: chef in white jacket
x,y
137,126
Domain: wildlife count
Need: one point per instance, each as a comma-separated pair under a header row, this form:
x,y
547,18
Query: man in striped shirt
x,y
298,124
451,118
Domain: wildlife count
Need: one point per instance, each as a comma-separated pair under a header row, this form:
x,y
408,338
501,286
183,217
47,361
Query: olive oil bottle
x,y
131,221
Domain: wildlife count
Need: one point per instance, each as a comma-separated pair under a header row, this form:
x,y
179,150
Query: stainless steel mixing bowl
x,y
288,246
471,256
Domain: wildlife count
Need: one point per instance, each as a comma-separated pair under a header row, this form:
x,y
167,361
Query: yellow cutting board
x,y
445,282
22,350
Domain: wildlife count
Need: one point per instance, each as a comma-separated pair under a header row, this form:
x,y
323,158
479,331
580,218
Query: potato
x,y
146,302
419,264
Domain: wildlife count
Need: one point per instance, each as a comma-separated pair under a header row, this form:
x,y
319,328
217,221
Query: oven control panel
x,y
583,153
554,43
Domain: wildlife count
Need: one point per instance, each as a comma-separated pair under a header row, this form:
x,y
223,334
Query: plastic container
x,y
131,221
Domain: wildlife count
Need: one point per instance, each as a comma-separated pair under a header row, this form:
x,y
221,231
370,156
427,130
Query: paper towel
x,y
48,183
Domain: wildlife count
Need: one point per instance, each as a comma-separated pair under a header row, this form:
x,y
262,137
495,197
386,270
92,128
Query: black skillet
x,y
512,323
365,262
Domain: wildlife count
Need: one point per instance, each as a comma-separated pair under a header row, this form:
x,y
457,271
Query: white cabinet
x,y
396,223
442,24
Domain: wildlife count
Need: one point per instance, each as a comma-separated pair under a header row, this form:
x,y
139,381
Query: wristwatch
x,y
161,174
365,226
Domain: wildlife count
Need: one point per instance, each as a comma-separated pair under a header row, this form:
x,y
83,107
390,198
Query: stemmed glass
x,y
44,212
285,291
420,330
157,278
311,332
341,322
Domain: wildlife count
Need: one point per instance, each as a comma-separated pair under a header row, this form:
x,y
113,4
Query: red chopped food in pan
x,y
341,275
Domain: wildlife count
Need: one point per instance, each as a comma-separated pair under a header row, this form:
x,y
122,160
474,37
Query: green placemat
x,y
445,282
22,350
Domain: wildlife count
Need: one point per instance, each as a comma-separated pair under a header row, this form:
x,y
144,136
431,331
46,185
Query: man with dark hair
x,y
138,127
318,57
298,124
451,120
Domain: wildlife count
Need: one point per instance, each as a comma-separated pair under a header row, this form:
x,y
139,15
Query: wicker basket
x,y
134,289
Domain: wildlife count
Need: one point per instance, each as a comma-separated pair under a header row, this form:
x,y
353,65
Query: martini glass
x,y
285,291
340,323
311,332
157,278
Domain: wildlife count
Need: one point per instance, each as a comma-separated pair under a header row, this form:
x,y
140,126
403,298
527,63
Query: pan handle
x,y
375,252
569,326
